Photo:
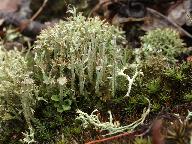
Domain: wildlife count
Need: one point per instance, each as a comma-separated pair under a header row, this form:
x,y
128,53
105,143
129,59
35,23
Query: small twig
x,y
114,137
101,2
39,11
25,23
28,27
152,11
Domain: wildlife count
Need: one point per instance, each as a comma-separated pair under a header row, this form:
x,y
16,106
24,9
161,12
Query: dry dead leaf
x,y
178,14
189,58
9,5
1,21
158,20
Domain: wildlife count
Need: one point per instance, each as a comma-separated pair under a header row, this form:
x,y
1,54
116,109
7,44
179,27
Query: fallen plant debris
x,y
121,12
19,17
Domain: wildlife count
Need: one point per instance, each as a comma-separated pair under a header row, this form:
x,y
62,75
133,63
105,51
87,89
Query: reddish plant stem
x,y
132,134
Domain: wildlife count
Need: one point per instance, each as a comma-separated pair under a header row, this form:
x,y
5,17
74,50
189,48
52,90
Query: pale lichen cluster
x,y
111,126
16,85
165,41
86,47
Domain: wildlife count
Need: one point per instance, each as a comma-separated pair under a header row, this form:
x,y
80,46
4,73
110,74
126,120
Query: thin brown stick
x,y
39,10
113,137
25,23
180,29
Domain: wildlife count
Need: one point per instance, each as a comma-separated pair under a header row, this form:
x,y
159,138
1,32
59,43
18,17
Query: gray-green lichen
x,y
83,50
16,86
163,41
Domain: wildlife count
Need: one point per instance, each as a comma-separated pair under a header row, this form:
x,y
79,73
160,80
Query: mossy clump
x,y
163,41
164,84
80,64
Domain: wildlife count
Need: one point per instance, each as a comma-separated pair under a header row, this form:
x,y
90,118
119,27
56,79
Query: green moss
x,y
141,140
78,64
164,84
163,41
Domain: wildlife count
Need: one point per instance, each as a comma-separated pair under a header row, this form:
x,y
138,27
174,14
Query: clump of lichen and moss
x,y
77,62
81,64
17,92
166,82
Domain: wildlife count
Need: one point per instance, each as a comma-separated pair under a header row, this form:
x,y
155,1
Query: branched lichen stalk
x,y
110,126
114,71
130,80
72,67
